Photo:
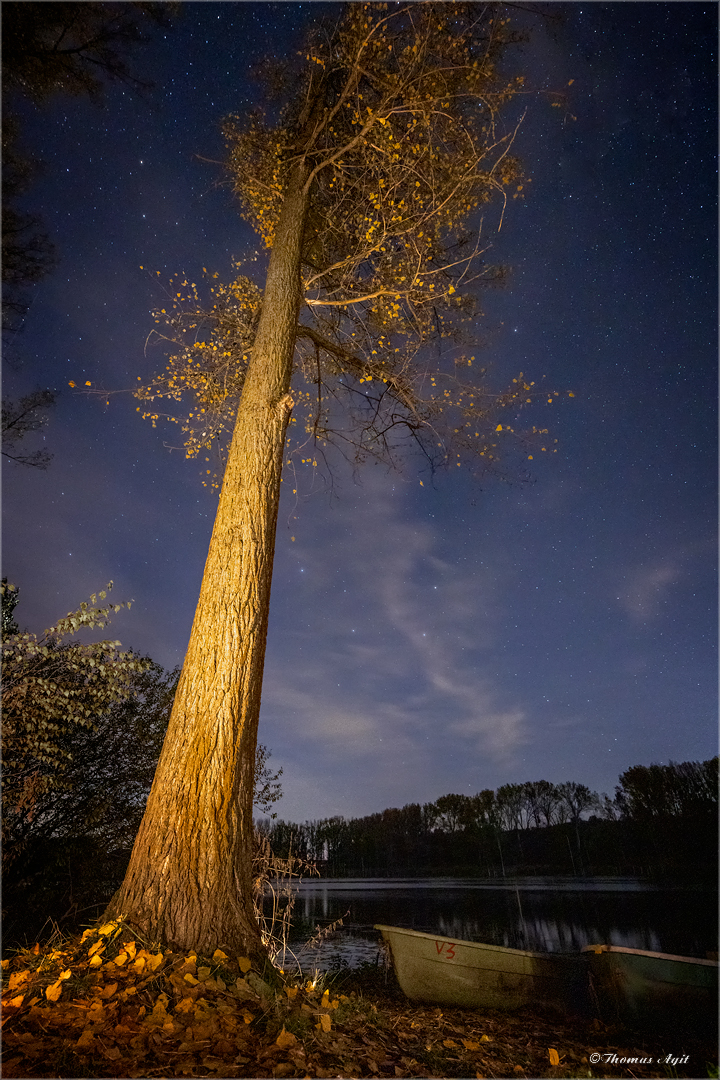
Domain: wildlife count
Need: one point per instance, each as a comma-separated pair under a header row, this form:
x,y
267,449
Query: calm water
x,y
542,914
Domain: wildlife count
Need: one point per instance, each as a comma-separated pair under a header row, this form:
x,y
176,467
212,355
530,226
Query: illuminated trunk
x,y
189,879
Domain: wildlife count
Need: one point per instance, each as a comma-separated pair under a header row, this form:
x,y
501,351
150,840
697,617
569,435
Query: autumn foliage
x,y
108,1004
406,127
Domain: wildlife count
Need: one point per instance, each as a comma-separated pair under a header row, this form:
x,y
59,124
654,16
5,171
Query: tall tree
x,y
74,47
267,789
511,804
369,191
575,800
661,791
27,251
453,813
21,418
71,48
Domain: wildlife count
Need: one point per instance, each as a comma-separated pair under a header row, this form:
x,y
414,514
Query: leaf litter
x,y
105,1004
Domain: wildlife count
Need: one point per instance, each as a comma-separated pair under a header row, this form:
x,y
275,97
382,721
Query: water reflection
x,y
544,915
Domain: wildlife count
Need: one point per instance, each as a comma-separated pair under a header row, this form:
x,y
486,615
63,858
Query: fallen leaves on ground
x,y
105,1004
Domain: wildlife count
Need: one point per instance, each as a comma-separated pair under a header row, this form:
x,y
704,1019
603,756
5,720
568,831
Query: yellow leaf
x,y
52,993
155,961
99,946
450,1043
191,979
325,1023
244,964
219,955
185,1005
96,961
291,992
499,427
110,926
86,1040
88,384
71,383
286,1039
121,958
471,1044
86,935
16,1002
131,949
553,1055
18,978
485,1038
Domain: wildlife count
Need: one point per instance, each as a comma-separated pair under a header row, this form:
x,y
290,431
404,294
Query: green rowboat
x,y
635,986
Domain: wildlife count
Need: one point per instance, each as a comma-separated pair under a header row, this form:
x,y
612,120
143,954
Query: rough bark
x,y
189,878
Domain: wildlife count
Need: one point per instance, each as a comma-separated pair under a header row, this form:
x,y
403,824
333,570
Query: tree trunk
x,y
189,880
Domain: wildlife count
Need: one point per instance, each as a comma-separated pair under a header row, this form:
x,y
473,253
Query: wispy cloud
x,y
645,588
397,686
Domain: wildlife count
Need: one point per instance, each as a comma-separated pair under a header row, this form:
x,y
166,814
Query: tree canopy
x,y
22,417
73,48
406,124
658,791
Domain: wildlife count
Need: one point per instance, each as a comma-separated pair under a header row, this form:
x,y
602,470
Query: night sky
x,y
426,639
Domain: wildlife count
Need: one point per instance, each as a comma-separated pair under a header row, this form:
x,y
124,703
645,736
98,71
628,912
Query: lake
x,y
541,914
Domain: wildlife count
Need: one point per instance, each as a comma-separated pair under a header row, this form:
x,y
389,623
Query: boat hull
x,y
638,987
447,971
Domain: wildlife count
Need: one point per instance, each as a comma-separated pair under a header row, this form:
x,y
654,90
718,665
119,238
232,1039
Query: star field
x,y
426,639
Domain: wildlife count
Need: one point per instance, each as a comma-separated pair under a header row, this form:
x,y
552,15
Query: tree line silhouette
x,y
83,726
662,819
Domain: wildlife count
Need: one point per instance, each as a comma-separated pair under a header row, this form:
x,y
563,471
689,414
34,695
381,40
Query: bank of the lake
x,y
176,1016
540,914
